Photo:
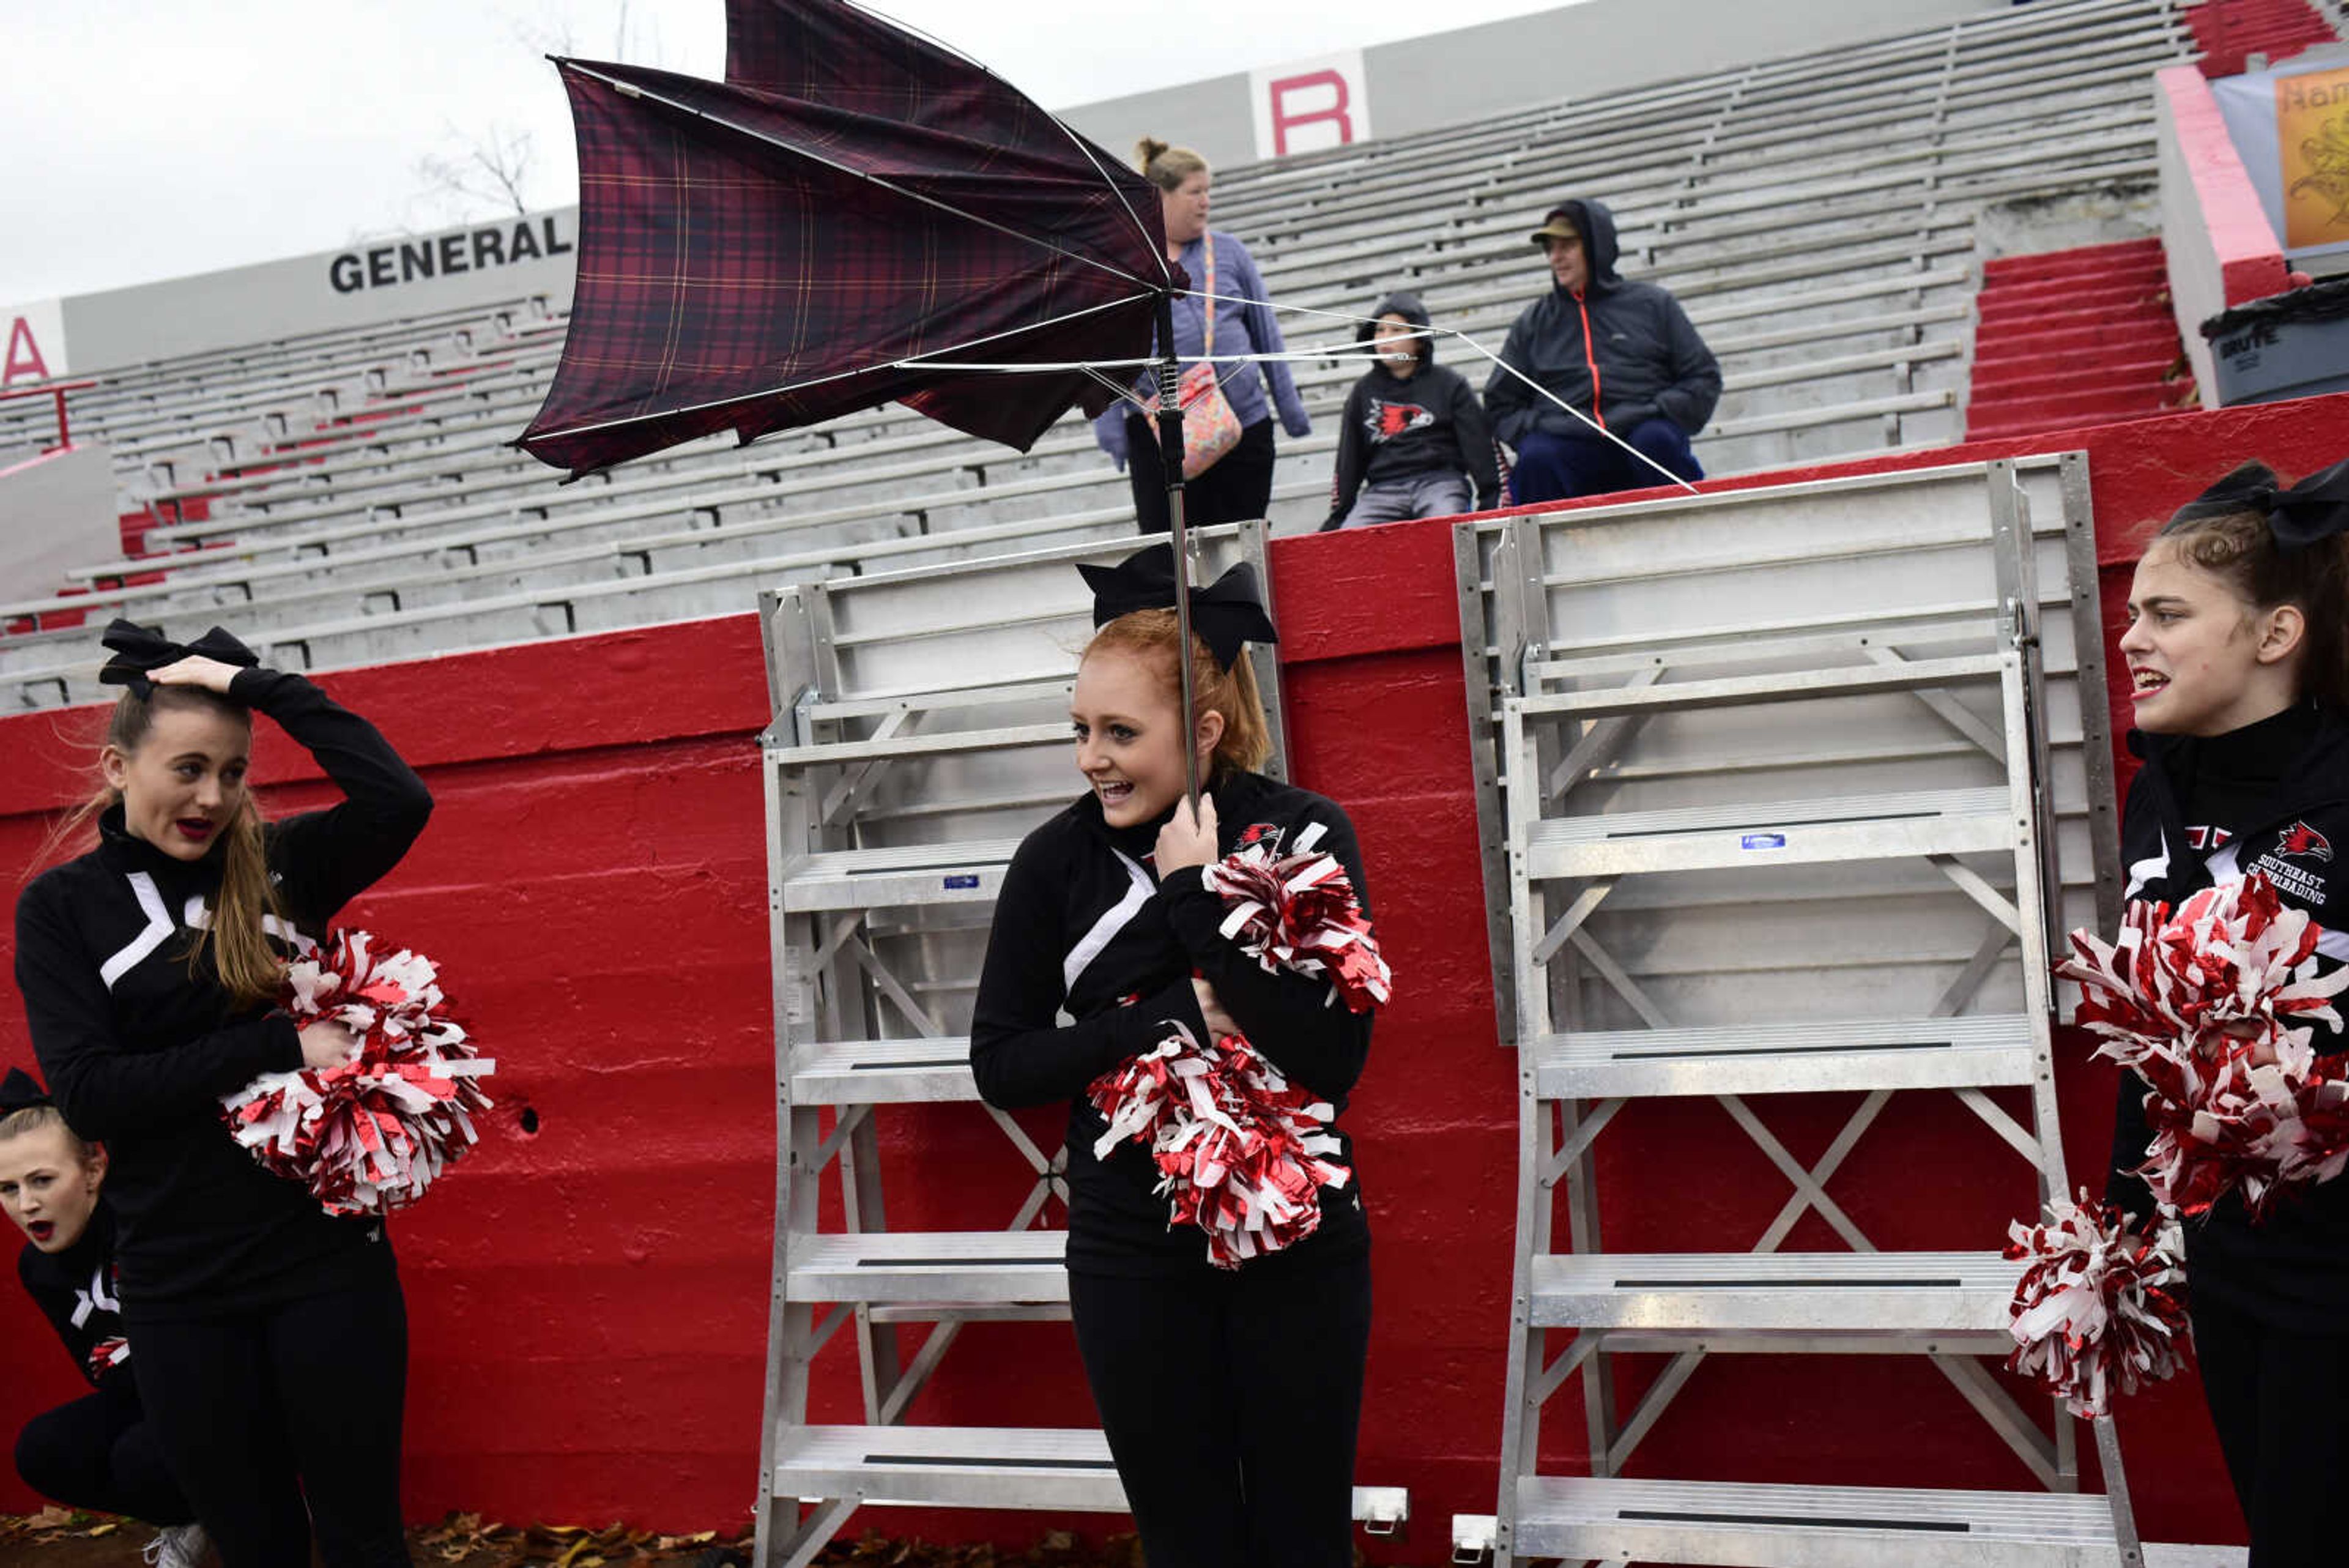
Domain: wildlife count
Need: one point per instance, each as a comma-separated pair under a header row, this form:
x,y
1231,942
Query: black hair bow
x,y
1224,613
20,1091
138,651
2298,515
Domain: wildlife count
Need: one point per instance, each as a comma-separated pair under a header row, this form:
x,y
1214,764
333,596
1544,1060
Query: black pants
x,y
1237,488
98,1453
1231,1403
263,1411
2277,1399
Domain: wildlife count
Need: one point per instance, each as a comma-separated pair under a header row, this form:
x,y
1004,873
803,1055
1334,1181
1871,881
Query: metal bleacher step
x,y
907,874
1789,686
1913,1292
1863,630
1736,1525
945,1268
1785,1058
941,744
933,700
1780,833
981,1467
920,1071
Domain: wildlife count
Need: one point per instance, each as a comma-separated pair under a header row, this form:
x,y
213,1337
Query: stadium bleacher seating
x,y
352,496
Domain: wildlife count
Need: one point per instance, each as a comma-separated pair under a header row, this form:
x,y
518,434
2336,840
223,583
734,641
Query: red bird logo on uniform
x,y
1387,420
2301,839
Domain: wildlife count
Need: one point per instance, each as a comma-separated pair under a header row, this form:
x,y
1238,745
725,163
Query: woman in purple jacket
x,y
1240,484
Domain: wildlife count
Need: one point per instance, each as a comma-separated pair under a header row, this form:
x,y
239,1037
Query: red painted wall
x,y
588,1301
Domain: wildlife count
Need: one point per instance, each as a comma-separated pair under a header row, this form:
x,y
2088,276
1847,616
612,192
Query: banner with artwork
x,y
2290,127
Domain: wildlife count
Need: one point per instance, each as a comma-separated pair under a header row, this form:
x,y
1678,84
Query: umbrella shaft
x,y
1170,463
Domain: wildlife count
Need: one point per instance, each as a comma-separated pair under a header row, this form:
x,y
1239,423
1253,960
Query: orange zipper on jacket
x,y
1590,360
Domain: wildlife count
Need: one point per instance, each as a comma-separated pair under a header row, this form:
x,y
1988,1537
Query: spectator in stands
x,y
1238,485
1622,352
1413,436
96,1452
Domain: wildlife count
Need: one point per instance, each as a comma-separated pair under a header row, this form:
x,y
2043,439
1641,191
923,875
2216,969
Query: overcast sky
x,y
148,139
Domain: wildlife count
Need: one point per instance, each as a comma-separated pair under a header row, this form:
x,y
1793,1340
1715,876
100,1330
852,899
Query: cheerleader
x,y
96,1452
2238,656
1230,1397
269,1340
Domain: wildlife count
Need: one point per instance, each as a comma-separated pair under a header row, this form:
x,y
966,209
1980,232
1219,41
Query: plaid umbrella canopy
x,y
765,252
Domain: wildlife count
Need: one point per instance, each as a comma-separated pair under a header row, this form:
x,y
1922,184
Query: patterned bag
x,y
1210,428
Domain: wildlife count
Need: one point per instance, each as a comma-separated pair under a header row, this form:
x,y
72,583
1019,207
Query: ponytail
x,y
1167,167
239,932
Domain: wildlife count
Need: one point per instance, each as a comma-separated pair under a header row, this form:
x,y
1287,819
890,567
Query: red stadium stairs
x,y
2074,337
2228,32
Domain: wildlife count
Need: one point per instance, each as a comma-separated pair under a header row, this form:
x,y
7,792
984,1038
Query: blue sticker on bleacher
x,y
1762,841
963,881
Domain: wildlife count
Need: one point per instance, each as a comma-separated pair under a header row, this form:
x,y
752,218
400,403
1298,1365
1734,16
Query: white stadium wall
x,y
370,281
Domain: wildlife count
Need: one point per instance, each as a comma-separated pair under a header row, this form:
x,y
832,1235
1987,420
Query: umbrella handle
x,y
1170,463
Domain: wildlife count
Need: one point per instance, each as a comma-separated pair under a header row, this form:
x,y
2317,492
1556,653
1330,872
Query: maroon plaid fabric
x,y
743,267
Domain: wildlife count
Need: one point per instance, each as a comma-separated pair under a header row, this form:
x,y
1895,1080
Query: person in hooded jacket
x,y
1621,353
1413,436
2238,657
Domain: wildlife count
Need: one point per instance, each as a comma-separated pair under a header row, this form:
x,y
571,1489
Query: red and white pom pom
x,y
105,1355
1298,912
2099,1311
371,1134
2212,1007
1239,1151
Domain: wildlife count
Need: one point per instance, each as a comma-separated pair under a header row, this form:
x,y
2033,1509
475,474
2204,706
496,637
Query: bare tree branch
x,y
492,169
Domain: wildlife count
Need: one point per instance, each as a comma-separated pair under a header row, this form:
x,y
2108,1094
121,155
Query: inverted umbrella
x,y
807,237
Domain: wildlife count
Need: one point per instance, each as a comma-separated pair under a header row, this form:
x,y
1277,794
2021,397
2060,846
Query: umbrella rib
x,y
1284,357
569,430
1158,251
631,89
1124,393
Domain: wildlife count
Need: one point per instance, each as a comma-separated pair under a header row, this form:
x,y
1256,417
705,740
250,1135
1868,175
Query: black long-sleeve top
x,y
1396,428
138,1044
76,1292
1083,927
2271,797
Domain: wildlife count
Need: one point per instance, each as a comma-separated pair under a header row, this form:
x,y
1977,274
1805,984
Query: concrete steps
x,y
2230,31
2073,338
2081,375
2103,301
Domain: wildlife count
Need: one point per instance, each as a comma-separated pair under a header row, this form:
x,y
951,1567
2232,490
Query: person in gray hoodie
x,y
1622,352
1413,436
